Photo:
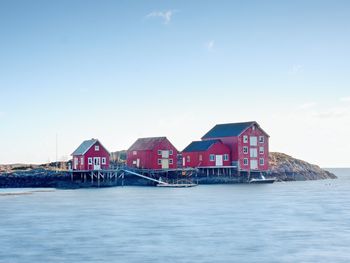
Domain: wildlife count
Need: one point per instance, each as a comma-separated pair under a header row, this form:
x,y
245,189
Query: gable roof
x,y
85,146
199,146
146,143
230,129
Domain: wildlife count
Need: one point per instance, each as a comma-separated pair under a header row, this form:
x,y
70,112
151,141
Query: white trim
x,y
261,150
245,161
245,148
261,161
90,160
171,152
245,138
159,152
212,157
104,160
263,139
225,157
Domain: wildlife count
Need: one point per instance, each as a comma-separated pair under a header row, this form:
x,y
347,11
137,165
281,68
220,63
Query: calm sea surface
x,y
283,222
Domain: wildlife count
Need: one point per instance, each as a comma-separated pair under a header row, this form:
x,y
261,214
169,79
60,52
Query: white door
x,y
253,164
137,162
253,152
97,163
165,154
219,160
165,163
253,141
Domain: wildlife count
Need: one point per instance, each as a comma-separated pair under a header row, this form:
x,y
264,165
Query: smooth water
x,y
283,222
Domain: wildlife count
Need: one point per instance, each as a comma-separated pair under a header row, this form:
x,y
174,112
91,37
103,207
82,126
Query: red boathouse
x,y
248,142
91,155
152,153
208,153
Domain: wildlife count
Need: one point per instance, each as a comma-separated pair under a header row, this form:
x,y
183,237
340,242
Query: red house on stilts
x,y
152,153
248,142
208,153
91,155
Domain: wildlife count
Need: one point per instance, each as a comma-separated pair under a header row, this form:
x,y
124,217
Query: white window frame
x,y
171,161
261,139
261,161
245,149
159,161
245,138
245,162
212,157
90,160
261,150
159,152
104,160
225,157
188,158
97,148
171,152
82,160
200,157
134,152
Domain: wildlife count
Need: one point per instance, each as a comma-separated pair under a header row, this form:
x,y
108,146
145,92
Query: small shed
x,y
208,153
152,153
91,155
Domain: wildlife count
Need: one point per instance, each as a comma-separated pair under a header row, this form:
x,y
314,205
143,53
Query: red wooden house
x,y
248,142
208,153
90,155
152,153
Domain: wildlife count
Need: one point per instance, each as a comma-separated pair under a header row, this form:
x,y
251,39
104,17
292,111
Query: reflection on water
x,y
283,222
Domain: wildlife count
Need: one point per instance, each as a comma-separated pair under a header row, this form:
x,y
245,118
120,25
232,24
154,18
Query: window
x,y
188,158
89,160
82,160
212,157
245,149
97,148
159,152
134,162
261,161
134,152
200,157
261,139
159,161
170,161
253,141
253,152
170,152
103,160
245,161
261,150
226,157
245,139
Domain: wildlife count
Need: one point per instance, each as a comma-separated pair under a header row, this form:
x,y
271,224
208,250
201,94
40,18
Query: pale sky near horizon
x,y
119,70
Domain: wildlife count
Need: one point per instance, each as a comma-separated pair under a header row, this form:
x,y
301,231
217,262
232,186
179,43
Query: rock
x,y
287,168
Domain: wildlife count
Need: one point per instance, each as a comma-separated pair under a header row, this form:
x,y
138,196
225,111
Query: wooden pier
x,y
121,176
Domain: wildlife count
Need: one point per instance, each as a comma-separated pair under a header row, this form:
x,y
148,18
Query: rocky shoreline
x,y
283,167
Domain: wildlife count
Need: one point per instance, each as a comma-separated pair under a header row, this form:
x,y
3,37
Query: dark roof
x,y
199,146
85,146
146,143
228,129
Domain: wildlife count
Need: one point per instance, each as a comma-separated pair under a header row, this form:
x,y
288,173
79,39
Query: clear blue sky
x,y
118,70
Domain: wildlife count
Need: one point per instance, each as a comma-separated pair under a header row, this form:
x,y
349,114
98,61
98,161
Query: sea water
x,y
282,222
